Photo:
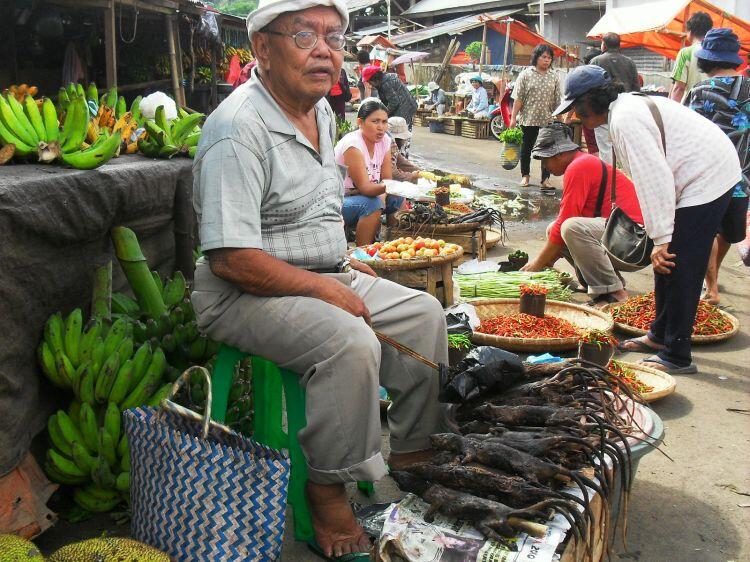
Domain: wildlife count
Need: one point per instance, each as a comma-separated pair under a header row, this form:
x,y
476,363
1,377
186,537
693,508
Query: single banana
x,y
123,304
79,125
198,348
65,368
88,340
97,355
93,157
57,438
112,98
92,93
122,447
22,120
68,428
35,118
106,377
168,151
141,362
123,481
160,117
107,447
159,395
72,338
117,333
121,108
123,382
74,411
135,109
54,331
182,127
112,422
125,349
68,123
63,99
148,385
87,385
56,476
82,458
47,361
64,465
192,139
174,290
51,124
158,281
80,92
89,427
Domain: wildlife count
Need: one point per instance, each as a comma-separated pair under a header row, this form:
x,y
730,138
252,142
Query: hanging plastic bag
x,y
510,155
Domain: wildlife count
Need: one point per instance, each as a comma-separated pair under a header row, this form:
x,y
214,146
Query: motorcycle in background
x,y
500,116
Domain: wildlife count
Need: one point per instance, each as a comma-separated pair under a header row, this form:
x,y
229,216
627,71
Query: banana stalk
x,y
135,266
101,296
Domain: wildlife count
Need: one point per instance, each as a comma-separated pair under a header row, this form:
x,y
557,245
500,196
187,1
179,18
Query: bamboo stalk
x,y
101,295
135,266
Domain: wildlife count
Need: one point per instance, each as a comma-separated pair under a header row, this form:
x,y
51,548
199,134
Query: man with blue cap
x,y
275,281
479,104
685,170
725,99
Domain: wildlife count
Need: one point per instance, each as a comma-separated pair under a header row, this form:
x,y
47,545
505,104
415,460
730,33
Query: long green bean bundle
x,y
507,285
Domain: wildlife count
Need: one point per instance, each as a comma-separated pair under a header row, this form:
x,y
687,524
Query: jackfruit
x,y
17,549
109,549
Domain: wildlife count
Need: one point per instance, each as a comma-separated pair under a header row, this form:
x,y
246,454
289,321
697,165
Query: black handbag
x,y
626,242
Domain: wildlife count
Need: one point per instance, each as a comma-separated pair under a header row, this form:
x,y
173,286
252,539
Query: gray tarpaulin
x,y
54,231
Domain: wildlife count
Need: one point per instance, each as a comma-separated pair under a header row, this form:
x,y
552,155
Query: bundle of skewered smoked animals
x,y
515,450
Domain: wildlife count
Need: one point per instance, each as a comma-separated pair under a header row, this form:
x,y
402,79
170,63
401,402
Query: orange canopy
x,y
660,26
522,33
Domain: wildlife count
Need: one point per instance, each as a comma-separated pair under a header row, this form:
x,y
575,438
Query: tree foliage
x,y
236,7
474,50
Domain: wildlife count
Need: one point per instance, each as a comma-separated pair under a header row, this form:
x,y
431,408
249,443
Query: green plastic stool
x,y
268,380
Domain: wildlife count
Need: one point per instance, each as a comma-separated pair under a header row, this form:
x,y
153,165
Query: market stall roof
x,y
660,27
376,29
450,27
375,40
522,33
427,8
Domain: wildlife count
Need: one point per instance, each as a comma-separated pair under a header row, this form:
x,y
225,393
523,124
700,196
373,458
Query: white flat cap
x,y
269,10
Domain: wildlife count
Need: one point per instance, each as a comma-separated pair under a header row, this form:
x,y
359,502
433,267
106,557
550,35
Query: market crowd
x,y
273,186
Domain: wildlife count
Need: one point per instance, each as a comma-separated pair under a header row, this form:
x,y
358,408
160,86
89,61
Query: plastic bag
x,y
208,29
152,101
485,369
458,323
475,266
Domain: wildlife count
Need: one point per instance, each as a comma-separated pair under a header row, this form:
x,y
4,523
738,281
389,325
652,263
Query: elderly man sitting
x,y
268,195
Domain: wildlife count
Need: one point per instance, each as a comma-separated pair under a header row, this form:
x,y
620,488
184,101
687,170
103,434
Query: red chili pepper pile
x,y
533,290
639,312
623,375
527,326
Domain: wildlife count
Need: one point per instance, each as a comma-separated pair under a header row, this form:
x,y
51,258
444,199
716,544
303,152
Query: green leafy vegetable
x,y
512,136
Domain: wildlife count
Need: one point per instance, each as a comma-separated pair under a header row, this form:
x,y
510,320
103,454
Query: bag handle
x,y
167,403
656,114
602,189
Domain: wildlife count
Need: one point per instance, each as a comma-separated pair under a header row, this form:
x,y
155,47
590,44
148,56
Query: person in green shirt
x,y
686,73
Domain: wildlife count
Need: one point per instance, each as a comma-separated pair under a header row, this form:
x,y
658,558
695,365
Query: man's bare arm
x,y
256,272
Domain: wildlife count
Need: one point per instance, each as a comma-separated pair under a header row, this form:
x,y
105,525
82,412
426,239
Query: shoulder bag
x,y
625,241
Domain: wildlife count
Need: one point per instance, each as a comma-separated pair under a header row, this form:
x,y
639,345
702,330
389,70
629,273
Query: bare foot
x,y
524,181
336,529
631,345
711,298
400,461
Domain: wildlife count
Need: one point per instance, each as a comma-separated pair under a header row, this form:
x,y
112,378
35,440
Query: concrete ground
x,y
694,509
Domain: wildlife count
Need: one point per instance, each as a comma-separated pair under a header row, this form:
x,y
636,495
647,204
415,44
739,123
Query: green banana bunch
x,y
30,130
103,150
169,138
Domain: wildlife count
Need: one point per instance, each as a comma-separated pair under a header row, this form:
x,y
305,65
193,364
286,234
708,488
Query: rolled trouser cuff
x,y
368,470
606,289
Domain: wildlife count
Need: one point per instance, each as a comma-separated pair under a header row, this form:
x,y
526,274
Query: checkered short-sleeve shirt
x,y
540,95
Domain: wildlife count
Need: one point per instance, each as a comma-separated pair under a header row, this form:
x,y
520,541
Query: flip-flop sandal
x,y
601,300
640,347
672,369
351,557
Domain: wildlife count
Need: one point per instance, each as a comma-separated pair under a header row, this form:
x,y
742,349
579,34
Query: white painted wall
x,y
739,8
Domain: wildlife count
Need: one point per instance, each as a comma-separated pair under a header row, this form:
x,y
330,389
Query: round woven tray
x,y
664,384
493,238
413,263
697,340
582,316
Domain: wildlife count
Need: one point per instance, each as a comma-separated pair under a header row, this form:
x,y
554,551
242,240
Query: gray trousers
x,y
583,249
341,365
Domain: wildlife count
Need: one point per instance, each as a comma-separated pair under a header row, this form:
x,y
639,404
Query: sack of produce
x,y
511,153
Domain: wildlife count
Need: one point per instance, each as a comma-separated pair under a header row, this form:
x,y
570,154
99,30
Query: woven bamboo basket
x,y
473,242
452,126
494,237
664,384
581,316
475,128
697,340
413,263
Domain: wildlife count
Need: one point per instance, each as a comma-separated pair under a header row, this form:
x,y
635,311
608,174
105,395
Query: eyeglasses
x,y
308,39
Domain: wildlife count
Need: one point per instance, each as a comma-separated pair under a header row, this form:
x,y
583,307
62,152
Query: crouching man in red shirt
x,y
585,204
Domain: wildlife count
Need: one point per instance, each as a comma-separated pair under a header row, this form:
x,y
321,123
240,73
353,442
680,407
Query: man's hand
x,y
414,175
533,265
661,259
357,265
336,293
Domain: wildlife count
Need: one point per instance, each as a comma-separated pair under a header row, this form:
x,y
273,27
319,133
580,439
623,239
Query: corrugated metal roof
x,y
437,7
355,5
376,29
450,27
